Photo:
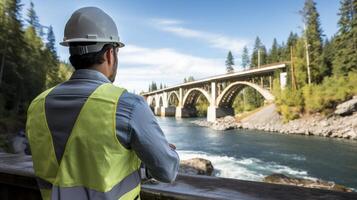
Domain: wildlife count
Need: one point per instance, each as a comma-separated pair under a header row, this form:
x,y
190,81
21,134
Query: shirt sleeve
x,y
148,141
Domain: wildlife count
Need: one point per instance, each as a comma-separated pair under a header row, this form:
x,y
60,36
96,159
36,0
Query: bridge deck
x,y
235,75
17,182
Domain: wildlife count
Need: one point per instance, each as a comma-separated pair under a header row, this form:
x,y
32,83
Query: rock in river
x,y
320,184
196,166
347,107
224,123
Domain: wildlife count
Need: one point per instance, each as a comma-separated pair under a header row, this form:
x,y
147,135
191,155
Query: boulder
x,y
320,184
225,123
196,166
347,107
203,123
19,143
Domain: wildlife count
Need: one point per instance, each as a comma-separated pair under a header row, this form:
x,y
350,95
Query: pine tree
x,y
53,64
300,63
292,39
229,62
273,56
154,86
13,57
24,63
291,42
259,53
33,19
313,35
346,48
51,41
245,58
328,54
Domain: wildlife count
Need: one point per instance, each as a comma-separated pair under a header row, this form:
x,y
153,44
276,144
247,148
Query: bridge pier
x,y
168,111
213,113
157,110
183,112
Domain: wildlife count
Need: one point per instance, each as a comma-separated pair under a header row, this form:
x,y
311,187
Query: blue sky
x,y
168,40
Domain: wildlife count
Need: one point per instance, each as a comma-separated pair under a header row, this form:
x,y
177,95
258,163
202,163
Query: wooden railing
x,y
17,182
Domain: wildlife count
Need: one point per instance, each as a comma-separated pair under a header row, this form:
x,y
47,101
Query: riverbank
x,y
267,119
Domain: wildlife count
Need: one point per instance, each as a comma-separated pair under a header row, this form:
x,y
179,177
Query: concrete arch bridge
x,y
220,91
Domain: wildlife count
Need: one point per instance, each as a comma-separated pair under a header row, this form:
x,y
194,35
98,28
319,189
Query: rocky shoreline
x,y
343,124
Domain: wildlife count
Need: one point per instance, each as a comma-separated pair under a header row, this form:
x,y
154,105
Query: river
x,y
252,155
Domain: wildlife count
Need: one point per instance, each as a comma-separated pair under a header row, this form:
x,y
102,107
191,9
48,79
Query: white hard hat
x,y
90,25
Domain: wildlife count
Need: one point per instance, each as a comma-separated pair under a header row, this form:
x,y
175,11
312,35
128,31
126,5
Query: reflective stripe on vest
x,y
94,164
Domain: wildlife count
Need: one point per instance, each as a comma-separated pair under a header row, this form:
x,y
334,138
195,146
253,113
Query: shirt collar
x,y
90,74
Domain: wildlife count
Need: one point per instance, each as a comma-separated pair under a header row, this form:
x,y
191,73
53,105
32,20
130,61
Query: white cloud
x,y
214,40
167,22
138,66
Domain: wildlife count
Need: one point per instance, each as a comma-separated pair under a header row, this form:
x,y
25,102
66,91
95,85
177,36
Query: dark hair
x,y
86,61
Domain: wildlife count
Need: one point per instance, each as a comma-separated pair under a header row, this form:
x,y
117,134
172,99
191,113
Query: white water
x,y
252,155
251,169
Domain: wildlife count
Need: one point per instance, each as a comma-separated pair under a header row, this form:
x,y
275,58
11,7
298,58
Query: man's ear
x,y
108,56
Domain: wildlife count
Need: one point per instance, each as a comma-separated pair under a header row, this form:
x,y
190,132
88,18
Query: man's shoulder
x,y
131,98
43,94
39,98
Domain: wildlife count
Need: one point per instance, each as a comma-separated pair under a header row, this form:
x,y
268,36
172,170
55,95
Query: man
x,y
87,136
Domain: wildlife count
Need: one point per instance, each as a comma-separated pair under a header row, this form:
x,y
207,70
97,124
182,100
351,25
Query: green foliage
x,y
33,20
245,58
345,59
252,98
51,41
247,100
27,66
258,48
300,63
313,36
239,104
188,79
201,106
229,62
316,97
289,103
328,54
274,56
324,97
153,86
58,75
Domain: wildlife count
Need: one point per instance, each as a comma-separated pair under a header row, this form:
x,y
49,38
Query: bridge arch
x,y
160,100
151,101
226,98
173,95
192,95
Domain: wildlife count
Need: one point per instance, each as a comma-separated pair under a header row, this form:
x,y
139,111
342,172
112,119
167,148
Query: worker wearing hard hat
x,y
87,136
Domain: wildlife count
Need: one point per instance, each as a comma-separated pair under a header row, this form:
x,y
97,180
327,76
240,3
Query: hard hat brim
x,y
67,42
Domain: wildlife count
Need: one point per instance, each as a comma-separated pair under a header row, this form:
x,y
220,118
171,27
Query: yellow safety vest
x,y
93,160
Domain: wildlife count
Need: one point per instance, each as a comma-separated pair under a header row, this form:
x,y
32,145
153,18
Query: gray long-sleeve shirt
x,y
136,126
